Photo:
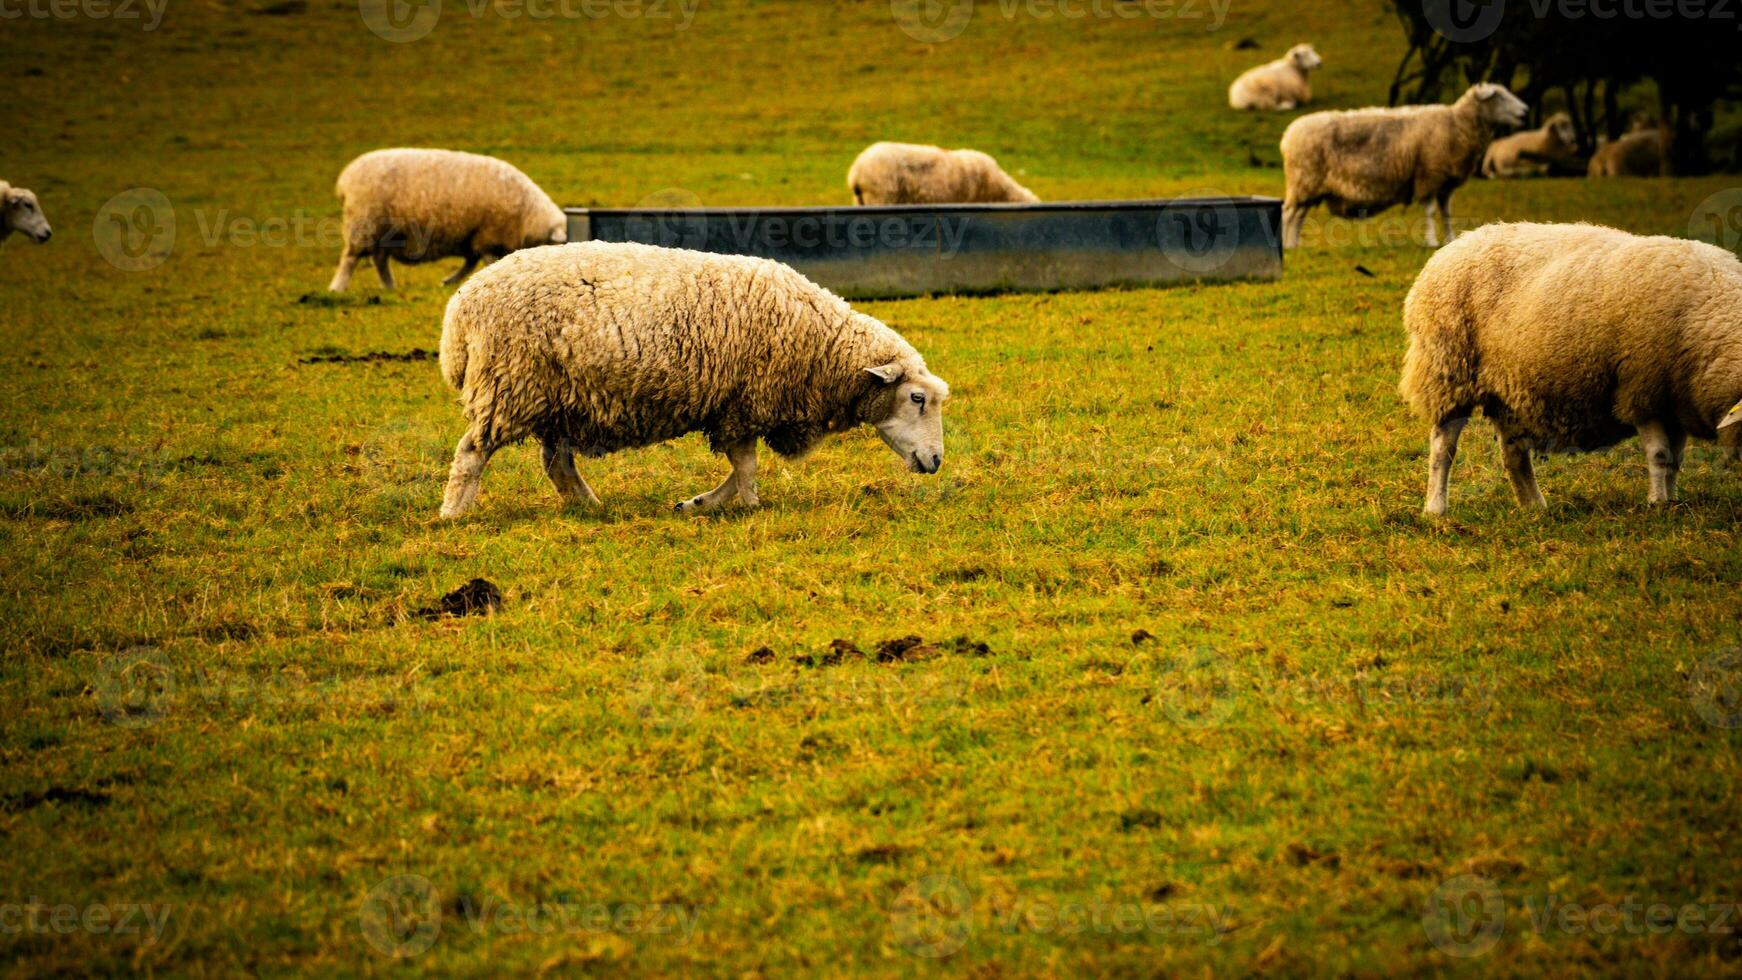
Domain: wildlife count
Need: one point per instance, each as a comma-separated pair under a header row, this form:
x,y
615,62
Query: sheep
x,y
1278,85
419,205
1574,337
1636,154
1533,152
1361,162
20,212
905,173
604,346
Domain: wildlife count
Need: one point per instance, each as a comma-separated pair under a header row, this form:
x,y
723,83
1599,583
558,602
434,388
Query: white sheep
x,y
1361,162
20,212
906,173
595,347
1532,152
1278,85
1636,154
1574,337
416,205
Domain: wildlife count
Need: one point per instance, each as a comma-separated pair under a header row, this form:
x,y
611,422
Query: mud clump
x,y
479,597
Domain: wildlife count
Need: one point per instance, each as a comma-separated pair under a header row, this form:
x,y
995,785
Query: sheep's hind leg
x,y
1445,209
1442,449
382,270
1293,216
1431,209
470,458
741,484
1516,452
463,271
1663,456
559,465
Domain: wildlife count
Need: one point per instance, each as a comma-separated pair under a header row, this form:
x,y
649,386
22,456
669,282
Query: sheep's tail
x,y
1439,369
453,352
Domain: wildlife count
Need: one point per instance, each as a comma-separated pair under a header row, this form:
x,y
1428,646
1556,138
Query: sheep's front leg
x,y
559,465
382,270
1445,208
1442,449
1663,456
342,277
463,272
1293,216
470,458
1516,451
1431,209
741,484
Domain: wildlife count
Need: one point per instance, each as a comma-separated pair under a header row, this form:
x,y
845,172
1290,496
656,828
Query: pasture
x,y
1198,689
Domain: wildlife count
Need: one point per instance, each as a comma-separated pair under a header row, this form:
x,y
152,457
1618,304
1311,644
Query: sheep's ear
x,y
887,373
1733,418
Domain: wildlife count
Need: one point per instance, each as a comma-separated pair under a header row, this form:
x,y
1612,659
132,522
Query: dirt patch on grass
x,y
74,795
373,357
479,597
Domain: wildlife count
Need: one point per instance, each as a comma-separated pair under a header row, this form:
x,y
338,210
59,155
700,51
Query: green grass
x,y
220,695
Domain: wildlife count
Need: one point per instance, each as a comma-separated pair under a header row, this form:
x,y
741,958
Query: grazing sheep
x,y
1361,162
1574,337
599,347
422,205
1637,154
20,212
1279,85
1533,152
904,173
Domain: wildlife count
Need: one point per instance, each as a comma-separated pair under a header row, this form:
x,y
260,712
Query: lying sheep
x,y
1361,162
1279,85
600,347
422,205
1533,152
1637,154
20,212
1574,337
904,173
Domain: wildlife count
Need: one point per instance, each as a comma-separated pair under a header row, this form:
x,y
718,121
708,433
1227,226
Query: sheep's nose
x,y
47,234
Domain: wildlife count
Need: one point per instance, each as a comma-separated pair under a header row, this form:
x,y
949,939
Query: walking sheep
x,y
423,205
598,347
1361,162
1574,337
20,212
1279,85
904,173
1533,152
1636,154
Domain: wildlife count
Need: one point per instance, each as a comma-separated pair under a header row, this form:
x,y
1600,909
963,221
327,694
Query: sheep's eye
x,y
918,399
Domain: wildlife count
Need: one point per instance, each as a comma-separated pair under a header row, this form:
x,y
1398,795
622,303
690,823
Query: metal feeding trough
x,y
916,250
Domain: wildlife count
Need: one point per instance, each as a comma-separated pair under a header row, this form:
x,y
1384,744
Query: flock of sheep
x,y
1567,337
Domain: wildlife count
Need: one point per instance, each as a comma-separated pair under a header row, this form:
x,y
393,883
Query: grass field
x,y
1200,691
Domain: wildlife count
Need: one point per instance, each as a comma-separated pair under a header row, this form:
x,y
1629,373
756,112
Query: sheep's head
x,y
549,231
912,407
1305,58
1560,129
1496,106
20,212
